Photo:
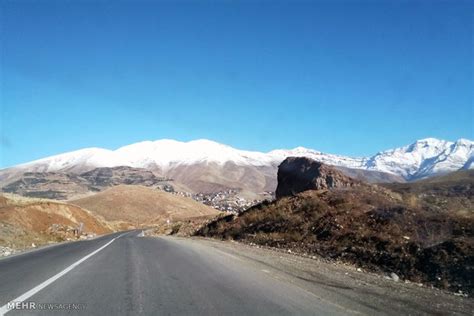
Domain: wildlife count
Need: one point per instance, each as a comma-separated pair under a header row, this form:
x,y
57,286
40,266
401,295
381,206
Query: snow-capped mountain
x,y
424,158
421,159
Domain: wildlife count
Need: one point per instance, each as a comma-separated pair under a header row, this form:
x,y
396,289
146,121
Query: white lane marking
x,y
4,309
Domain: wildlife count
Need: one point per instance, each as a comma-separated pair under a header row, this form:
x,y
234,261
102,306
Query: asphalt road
x,y
126,274
150,276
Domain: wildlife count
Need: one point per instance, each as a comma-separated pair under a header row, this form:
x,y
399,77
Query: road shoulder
x,y
337,282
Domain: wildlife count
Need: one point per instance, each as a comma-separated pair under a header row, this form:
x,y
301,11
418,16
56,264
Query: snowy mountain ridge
x,y
421,159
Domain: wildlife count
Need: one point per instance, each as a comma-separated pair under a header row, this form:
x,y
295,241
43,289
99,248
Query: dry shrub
x,y
365,225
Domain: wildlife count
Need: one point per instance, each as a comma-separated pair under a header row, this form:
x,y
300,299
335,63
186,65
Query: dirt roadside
x,y
345,285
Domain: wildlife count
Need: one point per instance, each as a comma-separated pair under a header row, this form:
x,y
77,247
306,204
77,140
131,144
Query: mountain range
x,y
207,166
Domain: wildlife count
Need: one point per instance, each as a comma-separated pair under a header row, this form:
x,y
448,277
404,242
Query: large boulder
x,y
298,174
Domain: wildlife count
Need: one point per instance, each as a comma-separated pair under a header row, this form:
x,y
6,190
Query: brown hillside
x,y
24,221
465,176
141,205
453,192
370,226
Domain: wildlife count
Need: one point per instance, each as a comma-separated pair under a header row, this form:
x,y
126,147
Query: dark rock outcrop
x,y
298,174
64,186
107,177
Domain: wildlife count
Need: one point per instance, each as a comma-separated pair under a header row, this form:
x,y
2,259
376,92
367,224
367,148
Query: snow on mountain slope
x,y
336,160
166,153
78,160
421,159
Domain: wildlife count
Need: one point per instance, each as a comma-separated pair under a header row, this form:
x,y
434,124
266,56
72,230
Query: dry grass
x,y
18,200
24,221
142,206
453,192
367,225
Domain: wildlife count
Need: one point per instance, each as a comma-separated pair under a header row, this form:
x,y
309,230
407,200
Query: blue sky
x,y
346,77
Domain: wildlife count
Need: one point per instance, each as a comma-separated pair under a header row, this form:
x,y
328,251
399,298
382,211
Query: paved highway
x,y
131,275
126,274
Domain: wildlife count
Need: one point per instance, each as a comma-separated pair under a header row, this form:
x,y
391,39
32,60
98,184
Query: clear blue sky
x,y
346,77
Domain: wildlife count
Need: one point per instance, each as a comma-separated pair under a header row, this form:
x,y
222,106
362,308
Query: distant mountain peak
x,y
430,140
464,142
423,158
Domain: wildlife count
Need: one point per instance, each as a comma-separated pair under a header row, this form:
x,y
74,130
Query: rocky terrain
x,y
453,192
204,166
48,185
298,174
65,185
100,178
374,227
27,222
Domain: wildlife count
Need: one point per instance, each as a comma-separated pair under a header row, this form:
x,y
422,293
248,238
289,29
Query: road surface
x,y
127,274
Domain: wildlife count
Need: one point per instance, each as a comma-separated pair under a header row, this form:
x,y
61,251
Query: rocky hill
x,y
25,222
141,206
371,226
100,178
454,192
48,185
65,185
298,174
